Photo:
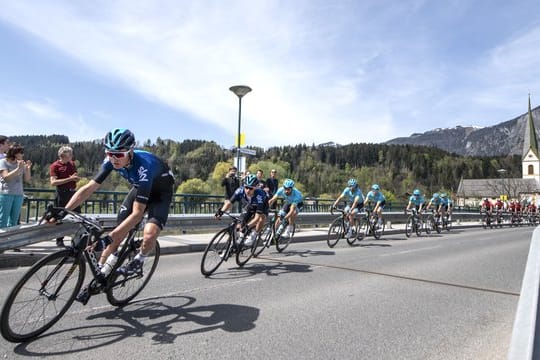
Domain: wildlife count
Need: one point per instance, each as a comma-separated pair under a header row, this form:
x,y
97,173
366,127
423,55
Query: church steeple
x,y
531,158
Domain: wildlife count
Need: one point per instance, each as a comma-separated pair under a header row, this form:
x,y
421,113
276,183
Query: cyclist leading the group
x,y
376,200
254,202
152,190
353,195
294,201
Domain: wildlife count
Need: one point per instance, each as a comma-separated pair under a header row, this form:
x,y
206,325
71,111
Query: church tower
x,y
531,158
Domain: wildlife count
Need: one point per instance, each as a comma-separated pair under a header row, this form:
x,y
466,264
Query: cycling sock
x,y
140,257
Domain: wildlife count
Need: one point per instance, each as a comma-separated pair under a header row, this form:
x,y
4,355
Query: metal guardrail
x,y
525,335
20,236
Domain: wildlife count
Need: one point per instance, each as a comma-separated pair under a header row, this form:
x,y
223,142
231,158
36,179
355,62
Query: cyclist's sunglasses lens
x,y
288,188
118,155
249,187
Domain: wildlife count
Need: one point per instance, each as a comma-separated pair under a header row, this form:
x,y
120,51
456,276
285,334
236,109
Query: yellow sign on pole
x,y
504,197
242,140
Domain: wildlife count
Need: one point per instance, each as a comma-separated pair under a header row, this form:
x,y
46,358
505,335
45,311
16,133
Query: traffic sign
x,y
248,151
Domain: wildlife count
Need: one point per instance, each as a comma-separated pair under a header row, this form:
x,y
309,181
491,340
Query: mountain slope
x,y
499,140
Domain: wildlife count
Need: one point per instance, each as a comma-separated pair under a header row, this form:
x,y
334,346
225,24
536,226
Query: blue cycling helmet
x,y
251,180
417,192
352,182
443,195
375,187
119,139
436,195
288,184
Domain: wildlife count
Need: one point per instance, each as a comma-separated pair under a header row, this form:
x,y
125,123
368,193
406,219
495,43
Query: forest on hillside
x,y
319,170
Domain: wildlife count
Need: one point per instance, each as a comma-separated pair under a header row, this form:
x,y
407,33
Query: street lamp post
x,y
502,172
240,91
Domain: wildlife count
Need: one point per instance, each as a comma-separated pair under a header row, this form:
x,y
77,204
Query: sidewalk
x,y
178,244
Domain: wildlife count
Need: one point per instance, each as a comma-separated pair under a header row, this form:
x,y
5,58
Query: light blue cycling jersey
x,y
417,200
295,197
375,197
436,201
351,195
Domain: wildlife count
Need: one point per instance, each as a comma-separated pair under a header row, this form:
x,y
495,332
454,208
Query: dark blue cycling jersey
x,y
147,172
259,200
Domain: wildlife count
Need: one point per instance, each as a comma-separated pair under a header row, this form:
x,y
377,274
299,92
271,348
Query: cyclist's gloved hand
x,y
102,243
54,213
218,213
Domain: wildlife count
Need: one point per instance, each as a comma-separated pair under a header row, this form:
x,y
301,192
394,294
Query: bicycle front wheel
x,y
409,226
335,232
283,241
42,296
216,252
123,288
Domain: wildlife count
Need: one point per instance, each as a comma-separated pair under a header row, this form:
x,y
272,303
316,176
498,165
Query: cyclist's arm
x,y
337,200
82,194
272,200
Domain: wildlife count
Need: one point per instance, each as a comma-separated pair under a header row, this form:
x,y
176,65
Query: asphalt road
x,y
450,296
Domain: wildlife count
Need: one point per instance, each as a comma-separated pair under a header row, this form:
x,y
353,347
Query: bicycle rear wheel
x,y
216,252
123,288
335,232
357,234
42,296
379,229
283,241
244,253
361,229
264,239
418,227
428,225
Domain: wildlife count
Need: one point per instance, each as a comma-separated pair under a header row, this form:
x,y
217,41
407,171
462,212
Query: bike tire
x,y
361,229
428,225
335,232
409,226
32,306
123,288
282,242
216,252
379,229
264,239
244,253
418,227
357,235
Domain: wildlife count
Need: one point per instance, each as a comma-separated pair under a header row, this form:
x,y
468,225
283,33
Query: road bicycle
x,y
47,290
414,224
447,222
435,221
273,232
487,220
227,242
339,228
374,226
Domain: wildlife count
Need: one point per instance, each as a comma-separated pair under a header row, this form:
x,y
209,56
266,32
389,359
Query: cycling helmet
x,y
443,195
436,195
375,187
251,180
352,182
119,139
416,192
288,184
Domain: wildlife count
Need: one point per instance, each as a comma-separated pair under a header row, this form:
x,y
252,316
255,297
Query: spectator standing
x,y
230,182
64,177
13,171
272,184
261,183
4,146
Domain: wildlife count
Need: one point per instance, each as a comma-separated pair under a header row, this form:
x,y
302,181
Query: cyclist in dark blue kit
x,y
255,206
152,190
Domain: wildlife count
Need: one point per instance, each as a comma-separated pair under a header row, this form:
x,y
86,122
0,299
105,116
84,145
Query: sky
x,y
347,71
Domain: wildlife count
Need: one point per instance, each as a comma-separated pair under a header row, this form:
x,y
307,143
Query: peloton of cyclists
x,y
292,205
254,202
355,201
376,201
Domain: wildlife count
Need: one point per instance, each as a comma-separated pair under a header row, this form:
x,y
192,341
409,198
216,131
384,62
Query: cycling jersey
x,y
148,173
258,202
417,201
375,197
351,195
436,201
295,197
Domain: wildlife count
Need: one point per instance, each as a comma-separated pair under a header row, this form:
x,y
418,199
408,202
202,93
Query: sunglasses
x,y
117,154
249,187
287,188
